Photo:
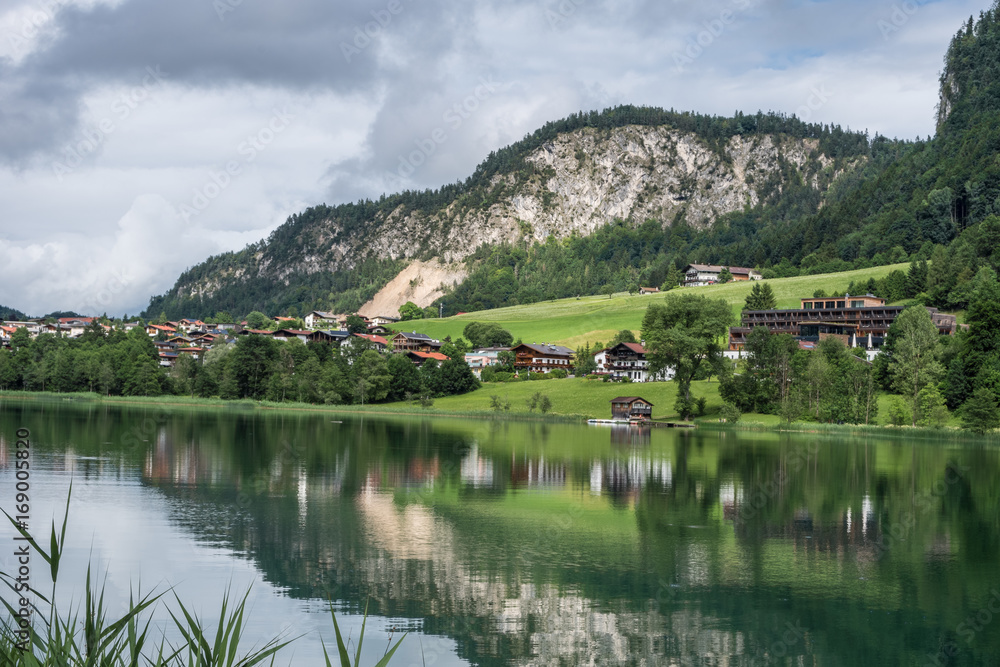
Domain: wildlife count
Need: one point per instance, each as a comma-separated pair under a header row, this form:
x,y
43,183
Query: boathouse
x,y
631,407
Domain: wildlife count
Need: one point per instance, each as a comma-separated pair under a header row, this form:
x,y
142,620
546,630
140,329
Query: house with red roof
x,y
420,358
154,330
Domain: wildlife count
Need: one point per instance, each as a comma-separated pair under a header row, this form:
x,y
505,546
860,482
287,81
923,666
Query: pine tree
x,y
980,413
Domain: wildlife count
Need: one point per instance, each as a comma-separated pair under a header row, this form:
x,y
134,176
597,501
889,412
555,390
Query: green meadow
x,y
574,322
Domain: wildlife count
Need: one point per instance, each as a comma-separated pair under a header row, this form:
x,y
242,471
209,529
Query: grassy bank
x,y
572,400
574,322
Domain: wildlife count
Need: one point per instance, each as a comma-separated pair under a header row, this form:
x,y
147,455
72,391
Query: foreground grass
x,y
574,322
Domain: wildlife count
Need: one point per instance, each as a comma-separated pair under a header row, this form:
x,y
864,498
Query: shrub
x,y
899,413
700,406
559,374
730,413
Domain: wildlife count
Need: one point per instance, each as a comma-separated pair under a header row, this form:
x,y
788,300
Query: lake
x,y
526,543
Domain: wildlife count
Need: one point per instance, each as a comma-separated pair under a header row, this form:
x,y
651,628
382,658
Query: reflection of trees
x,y
732,537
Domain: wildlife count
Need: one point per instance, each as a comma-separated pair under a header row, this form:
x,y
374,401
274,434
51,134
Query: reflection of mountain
x,y
584,552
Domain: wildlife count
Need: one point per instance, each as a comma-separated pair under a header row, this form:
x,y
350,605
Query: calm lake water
x,y
496,543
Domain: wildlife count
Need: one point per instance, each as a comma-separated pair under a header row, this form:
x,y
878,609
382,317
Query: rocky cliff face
x,y
582,180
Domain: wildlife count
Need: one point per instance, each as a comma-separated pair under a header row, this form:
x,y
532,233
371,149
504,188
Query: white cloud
x,y
162,144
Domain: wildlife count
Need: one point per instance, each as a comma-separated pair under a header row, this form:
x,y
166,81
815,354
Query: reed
x,y
94,638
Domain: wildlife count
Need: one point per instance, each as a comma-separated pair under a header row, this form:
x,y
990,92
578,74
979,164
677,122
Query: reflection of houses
x,y
622,478
629,360
542,358
537,472
631,407
631,435
476,470
858,321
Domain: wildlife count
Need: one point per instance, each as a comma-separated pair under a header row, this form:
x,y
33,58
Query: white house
x,y
629,360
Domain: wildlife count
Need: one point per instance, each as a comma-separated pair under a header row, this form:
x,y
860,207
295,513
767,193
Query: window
x,y
808,305
840,304
857,304
831,304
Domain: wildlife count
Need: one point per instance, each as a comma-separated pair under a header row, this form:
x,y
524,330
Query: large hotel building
x,y
860,321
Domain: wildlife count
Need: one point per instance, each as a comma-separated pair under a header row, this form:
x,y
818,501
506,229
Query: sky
x,y
139,137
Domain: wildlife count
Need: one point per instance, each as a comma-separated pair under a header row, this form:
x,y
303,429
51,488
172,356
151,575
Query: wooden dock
x,y
625,422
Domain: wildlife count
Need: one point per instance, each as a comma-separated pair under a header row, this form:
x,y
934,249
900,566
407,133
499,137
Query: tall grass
x,y
93,639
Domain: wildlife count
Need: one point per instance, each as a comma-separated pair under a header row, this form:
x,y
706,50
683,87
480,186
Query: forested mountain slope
x,y
604,201
570,178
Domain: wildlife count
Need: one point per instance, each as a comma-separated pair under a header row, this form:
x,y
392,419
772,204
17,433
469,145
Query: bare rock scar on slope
x,y
420,282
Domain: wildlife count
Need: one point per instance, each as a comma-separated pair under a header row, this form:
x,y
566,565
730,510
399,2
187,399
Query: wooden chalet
x,y
329,336
542,358
411,341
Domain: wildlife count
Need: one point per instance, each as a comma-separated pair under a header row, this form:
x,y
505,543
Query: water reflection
x,y
544,544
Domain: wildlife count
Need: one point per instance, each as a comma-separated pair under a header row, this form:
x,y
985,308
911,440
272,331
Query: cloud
x,y
97,159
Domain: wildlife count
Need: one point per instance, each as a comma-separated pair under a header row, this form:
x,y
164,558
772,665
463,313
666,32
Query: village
x,y
858,321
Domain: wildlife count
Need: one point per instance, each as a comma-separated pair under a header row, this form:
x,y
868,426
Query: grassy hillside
x,y
573,322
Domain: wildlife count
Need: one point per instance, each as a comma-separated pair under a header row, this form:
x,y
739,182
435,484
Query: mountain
x,y
11,314
570,179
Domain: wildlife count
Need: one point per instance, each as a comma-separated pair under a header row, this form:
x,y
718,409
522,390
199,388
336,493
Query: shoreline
x,y
748,425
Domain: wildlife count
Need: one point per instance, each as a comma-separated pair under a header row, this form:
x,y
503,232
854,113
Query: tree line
x,y
117,363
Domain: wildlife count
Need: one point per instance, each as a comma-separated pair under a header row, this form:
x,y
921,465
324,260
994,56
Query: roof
x,y
629,399
430,355
413,335
285,319
65,320
544,348
161,327
374,339
331,333
712,268
294,332
325,315
635,347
